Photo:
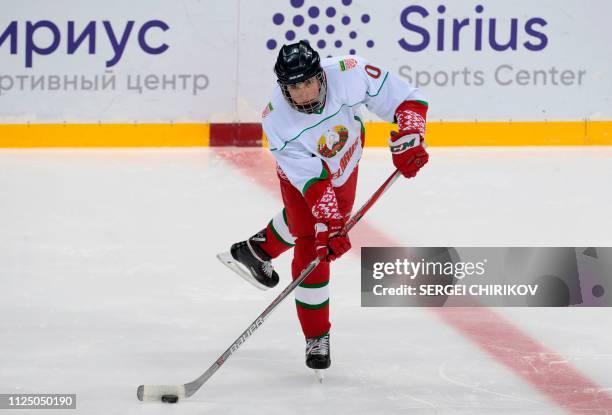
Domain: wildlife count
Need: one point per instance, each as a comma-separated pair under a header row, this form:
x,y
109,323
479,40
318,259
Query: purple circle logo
x,y
333,29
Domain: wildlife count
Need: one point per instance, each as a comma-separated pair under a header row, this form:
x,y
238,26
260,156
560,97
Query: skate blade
x,y
228,260
318,375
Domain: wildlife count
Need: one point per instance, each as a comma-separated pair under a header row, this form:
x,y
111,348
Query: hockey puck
x,y
169,398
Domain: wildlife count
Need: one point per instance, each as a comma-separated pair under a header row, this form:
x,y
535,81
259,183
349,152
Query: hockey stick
x,y
171,393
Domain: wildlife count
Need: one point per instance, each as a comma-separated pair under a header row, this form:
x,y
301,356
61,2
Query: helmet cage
x,y
316,104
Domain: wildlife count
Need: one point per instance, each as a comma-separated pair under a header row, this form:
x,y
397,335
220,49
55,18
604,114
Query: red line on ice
x,y
546,370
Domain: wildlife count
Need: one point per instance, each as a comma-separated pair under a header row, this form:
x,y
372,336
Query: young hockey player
x,y
316,135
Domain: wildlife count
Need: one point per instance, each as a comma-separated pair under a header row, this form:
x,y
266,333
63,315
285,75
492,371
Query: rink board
x,y
439,133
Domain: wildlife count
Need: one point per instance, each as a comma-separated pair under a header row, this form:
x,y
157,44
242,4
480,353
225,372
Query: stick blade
x,y
155,392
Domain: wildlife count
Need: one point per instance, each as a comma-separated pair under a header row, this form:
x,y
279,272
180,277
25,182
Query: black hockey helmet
x,y
297,63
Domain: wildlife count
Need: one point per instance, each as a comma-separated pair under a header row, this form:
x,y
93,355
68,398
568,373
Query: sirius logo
x,y
332,29
469,32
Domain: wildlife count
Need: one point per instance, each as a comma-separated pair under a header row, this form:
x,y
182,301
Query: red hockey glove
x,y
328,244
409,154
321,198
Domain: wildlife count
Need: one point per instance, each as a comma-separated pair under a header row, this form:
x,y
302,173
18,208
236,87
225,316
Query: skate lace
x,y
318,346
267,268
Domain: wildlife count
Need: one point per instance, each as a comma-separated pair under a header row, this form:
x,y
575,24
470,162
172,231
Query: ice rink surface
x,y
109,280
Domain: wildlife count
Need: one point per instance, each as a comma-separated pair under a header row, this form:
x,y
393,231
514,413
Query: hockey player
x,y
316,135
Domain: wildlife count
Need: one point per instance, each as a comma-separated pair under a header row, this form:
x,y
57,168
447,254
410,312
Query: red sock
x,y
278,238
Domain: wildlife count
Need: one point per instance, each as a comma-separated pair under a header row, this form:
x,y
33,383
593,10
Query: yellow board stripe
x,y
524,133
104,135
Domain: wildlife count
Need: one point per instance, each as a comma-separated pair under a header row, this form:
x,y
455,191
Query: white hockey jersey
x,y
301,142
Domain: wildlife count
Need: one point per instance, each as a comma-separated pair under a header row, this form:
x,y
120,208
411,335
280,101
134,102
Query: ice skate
x,y
251,262
317,354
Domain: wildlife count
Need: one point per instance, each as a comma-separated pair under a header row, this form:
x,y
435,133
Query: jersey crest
x,y
332,141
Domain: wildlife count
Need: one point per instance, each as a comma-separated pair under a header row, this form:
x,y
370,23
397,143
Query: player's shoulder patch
x,y
267,110
347,64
